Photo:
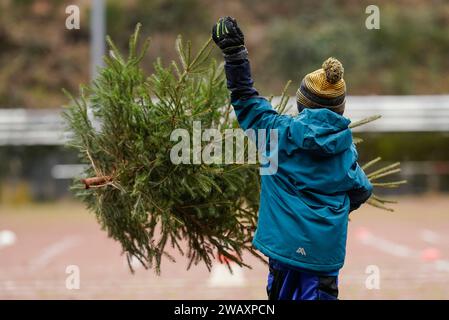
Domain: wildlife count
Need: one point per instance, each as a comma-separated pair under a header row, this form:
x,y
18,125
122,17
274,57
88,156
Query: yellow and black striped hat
x,y
324,88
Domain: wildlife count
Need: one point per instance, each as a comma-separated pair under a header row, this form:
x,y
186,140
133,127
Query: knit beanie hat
x,y
324,88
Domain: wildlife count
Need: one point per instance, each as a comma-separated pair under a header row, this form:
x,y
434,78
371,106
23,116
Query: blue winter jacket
x,y
304,206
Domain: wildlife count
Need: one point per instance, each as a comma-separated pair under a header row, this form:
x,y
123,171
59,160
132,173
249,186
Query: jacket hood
x,y
321,131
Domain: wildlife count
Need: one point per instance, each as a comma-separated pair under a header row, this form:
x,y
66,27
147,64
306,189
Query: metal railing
x,y
399,114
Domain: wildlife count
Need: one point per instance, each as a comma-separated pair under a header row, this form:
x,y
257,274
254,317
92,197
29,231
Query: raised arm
x,y
252,110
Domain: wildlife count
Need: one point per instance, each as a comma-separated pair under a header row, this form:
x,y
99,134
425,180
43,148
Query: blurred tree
x,y
163,20
407,55
38,55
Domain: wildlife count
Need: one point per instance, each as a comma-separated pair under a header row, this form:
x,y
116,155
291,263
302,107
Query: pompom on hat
x,y
324,88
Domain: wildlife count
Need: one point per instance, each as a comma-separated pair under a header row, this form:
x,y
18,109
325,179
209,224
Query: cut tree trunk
x,y
96,181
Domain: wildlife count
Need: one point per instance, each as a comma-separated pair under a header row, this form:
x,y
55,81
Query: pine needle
x,y
364,121
370,163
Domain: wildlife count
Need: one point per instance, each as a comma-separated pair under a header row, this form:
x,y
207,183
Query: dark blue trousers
x,y
285,283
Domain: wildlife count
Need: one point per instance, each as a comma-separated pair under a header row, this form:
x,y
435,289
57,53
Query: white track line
x,y
7,238
442,265
52,251
397,250
430,236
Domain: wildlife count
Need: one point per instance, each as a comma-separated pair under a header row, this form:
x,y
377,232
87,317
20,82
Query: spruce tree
x,y
121,126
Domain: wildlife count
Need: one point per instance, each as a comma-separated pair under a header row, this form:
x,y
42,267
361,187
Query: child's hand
x,y
228,36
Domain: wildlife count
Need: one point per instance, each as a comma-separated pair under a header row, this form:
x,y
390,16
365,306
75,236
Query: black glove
x,y
228,36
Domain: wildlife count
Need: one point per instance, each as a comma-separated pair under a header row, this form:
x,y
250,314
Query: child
x,y
304,206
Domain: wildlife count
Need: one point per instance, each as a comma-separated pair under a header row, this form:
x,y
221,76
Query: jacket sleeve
x,y
252,111
361,191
